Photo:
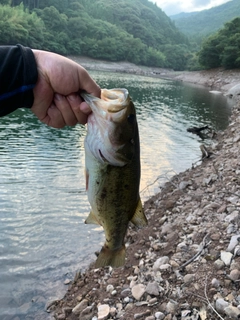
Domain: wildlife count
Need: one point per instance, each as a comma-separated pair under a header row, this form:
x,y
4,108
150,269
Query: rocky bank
x,y
186,263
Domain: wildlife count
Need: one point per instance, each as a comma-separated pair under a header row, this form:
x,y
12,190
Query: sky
x,y
171,7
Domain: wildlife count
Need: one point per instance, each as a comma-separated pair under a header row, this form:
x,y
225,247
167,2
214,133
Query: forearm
x,y
18,77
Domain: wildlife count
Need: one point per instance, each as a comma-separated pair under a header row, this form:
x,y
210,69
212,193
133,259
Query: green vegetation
x,y
123,30
206,22
200,25
223,48
18,26
133,30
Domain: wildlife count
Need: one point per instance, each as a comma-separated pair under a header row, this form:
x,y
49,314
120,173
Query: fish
x,y
112,169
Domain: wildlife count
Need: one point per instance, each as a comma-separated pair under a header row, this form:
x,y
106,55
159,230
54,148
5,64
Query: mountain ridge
x,y
207,21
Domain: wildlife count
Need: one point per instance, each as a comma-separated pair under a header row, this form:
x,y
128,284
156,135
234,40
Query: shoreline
x,y
214,79
195,214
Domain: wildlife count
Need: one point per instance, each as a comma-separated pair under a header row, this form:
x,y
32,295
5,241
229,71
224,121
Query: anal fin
x,y
139,219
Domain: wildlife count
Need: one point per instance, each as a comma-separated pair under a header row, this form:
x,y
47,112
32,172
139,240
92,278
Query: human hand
x,y
56,95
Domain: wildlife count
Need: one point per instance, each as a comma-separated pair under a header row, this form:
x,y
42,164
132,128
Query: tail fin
x,y
113,258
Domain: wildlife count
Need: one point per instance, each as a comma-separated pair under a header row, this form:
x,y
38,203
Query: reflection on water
x,y
42,208
43,204
165,110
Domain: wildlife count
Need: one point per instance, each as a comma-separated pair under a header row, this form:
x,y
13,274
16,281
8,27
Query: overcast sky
x,y
171,7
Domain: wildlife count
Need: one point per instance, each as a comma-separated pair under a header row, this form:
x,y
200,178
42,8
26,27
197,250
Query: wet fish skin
x,y
112,159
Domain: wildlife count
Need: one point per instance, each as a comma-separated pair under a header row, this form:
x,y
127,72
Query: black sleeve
x,y
18,76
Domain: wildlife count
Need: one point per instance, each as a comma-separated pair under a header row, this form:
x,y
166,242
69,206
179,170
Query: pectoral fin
x,y
87,178
91,219
139,219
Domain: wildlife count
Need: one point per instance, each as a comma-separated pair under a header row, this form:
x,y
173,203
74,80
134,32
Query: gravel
x,y
186,263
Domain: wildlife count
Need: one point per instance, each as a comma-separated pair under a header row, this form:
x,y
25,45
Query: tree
x,y
176,56
209,55
131,30
223,48
53,19
55,37
4,2
155,58
19,26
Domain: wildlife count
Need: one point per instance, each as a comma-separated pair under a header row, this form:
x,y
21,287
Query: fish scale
x,y
112,160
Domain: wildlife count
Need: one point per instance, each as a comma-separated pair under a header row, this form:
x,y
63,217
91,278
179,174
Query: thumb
x,y
86,82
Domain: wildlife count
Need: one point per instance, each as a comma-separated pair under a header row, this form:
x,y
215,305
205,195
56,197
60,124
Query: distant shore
x,y
214,79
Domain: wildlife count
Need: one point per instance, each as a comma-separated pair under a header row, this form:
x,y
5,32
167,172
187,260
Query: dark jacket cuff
x,y
18,77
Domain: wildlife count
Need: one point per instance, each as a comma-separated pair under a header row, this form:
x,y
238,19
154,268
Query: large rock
x,y
80,307
159,262
103,311
138,291
221,304
232,312
152,288
226,257
234,91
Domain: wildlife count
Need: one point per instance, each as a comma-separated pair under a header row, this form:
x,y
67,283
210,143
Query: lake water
x,y
43,204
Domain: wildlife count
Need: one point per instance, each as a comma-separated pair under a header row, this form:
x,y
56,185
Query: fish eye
x,y
131,118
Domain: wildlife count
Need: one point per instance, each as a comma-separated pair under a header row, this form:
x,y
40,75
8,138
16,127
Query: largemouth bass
x,y
112,159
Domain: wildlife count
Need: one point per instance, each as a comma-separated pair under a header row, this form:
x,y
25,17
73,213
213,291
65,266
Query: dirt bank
x,y
186,263
215,79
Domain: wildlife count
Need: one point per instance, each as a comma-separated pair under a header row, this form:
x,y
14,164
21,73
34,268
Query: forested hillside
x,y
134,30
209,21
223,48
137,31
